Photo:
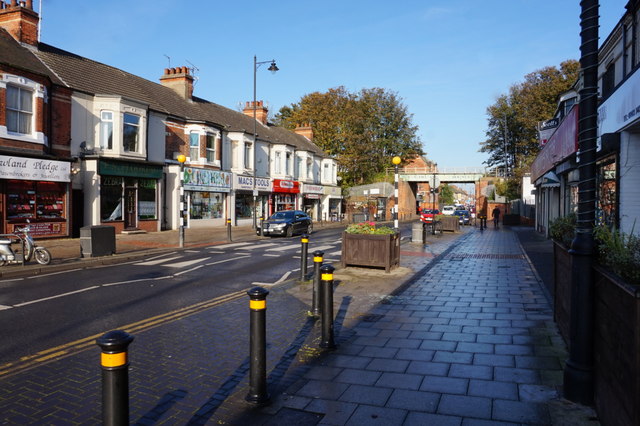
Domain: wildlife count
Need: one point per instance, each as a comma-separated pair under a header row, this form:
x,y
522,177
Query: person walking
x,y
495,214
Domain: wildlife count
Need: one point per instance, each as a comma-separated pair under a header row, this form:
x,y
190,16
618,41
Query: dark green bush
x,y
619,252
563,229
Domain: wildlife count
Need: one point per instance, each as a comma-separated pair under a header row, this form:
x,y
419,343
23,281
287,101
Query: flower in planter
x,y
368,228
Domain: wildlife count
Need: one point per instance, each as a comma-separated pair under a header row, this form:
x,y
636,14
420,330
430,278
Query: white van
x,y
448,210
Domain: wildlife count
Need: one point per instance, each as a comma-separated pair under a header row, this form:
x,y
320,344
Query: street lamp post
x,y
273,68
396,161
433,188
181,159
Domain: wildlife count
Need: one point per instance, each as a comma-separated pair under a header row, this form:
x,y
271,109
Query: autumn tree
x,y
512,138
363,130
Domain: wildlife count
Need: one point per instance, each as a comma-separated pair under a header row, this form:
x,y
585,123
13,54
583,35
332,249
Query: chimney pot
x,y
166,71
185,70
30,4
14,3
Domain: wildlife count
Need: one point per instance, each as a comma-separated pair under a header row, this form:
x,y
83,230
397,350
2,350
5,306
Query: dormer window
x,y
19,110
131,132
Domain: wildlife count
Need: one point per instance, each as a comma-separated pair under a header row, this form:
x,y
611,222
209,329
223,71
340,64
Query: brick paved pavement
x,y
468,340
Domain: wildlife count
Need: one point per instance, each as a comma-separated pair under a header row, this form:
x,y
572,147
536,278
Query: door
x,y
130,215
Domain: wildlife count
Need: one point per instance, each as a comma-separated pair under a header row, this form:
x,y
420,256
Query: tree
x,y
446,195
512,138
363,130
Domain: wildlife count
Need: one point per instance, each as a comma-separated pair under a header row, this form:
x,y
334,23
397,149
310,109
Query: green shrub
x,y
563,229
368,228
619,252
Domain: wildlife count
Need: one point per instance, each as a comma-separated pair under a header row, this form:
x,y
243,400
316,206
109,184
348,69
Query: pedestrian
x,y
495,214
482,211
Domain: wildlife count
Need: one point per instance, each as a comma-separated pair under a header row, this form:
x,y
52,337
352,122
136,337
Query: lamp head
x,y
181,159
273,67
396,160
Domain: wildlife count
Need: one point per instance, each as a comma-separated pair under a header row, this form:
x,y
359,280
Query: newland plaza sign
x,y
34,169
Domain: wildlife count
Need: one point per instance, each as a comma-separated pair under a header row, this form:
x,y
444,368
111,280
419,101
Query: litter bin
x,y
416,233
97,241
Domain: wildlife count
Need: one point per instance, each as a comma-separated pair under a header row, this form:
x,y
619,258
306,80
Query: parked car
x,y
427,215
448,210
464,216
286,223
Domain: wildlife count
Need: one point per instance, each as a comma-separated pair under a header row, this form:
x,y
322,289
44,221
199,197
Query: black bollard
x,y
115,377
303,257
229,230
258,357
315,300
326,282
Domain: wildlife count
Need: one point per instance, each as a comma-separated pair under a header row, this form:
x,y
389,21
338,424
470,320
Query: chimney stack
x,y
179,80
304,130
20,20
261,111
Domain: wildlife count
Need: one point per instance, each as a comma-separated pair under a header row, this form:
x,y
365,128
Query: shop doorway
x,y
130,215
77,212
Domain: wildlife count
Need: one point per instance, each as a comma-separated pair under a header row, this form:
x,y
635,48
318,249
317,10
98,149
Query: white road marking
x,y
136,281
284,277
232,245
18,305
227,260
3,307
157,261
312,249
186,263
271,255
283,248
256,246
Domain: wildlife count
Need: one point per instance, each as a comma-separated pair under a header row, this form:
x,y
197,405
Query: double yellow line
x,y
72,348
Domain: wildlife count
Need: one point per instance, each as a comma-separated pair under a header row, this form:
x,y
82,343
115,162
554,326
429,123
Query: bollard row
x,y
114,344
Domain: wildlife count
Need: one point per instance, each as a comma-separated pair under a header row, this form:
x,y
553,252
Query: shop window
x,y
206,205
194,146
36,200
131,132
111,197
607,194
244,206
211,148
19,110
106,129
147,199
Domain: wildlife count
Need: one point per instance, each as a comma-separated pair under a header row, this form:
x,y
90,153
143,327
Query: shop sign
x,y
44,228
335,191
34,169
562,144
206,180
121,168
289,186
312,196
621,108
312,189
246,183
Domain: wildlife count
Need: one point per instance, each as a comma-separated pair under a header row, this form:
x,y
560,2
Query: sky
x,y
448,60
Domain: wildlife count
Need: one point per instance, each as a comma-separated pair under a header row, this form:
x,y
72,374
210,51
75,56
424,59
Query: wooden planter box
x,y
378,251
562,289
616,349
450,223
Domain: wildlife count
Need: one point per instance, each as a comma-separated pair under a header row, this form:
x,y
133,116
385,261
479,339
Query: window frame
x,y
137,126
211,151
103,122
17,109
194,135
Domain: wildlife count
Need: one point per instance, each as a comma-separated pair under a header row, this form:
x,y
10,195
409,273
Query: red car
x,y
427,215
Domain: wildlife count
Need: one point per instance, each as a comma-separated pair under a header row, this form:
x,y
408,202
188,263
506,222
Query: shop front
x,y
332,203
244,191
129,195
206,191
284,195
312,200
36,190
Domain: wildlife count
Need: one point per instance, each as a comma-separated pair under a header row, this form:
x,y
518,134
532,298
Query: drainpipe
x,y
578,373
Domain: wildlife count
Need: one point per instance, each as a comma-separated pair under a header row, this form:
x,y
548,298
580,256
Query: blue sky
x,y
447,59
